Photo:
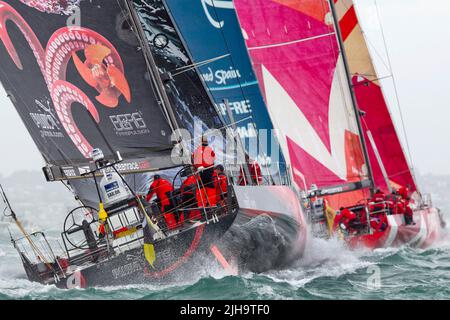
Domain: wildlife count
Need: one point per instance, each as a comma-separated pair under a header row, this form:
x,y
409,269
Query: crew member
x,y
254,171
188,196
379,222
220,182
405,200
163,189
346,218
203,161
378,201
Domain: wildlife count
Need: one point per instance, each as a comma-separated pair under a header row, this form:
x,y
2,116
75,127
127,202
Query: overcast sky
x,y
417,37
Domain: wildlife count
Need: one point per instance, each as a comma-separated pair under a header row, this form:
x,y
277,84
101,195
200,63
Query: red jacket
x,y
403,192
345,217
378,197
160,187
378,222
190,181
204,156
255,173
220,183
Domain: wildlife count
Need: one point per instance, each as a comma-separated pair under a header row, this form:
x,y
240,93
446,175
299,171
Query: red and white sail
x,y
296,57
370,99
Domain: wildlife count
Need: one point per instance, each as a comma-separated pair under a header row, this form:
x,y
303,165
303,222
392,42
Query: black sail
x,y
82,86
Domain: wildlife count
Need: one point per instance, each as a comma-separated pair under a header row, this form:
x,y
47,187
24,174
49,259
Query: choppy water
x,y
328,271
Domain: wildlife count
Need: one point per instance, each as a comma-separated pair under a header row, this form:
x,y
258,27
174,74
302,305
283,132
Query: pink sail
x,y
371,100
295,53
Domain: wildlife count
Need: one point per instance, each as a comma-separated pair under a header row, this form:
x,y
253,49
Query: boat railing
x,y
426,201
38,255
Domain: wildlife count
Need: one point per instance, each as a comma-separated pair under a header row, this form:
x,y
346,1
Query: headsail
x,y
223,61
296,57
371,100
78,86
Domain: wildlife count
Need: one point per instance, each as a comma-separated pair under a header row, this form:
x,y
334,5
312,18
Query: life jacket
x,y
203,156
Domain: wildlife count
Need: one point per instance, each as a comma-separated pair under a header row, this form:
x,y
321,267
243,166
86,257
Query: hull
x,y
428,228
180,256
270,231
175,257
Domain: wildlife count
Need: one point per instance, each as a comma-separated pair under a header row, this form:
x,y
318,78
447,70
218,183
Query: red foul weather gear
x,y
220,183
204,157
403,192
379,222
255,174
162,189
346,217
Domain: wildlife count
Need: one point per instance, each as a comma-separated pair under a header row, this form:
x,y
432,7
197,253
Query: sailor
x,y
378,201
254,170
220,182
346,218
405,201
378,222
203,161
163,190
188,196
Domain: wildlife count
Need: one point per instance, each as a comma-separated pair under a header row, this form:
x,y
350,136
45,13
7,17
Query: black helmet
x,y
156,177
220,168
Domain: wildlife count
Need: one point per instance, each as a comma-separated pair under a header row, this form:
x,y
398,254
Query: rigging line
x,y
202,63
396,92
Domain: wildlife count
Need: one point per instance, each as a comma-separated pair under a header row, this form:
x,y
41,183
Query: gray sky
x,y
416,33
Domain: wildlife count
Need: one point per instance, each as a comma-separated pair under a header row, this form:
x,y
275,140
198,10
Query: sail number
x,y
128,122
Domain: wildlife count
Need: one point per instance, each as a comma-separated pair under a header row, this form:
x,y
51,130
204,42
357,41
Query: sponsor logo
x,y
69,171
129,124
210,5
84,170
221,76
126,270
46,120
238,107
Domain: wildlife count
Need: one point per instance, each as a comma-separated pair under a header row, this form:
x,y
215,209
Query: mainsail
x,y
82,79
296,56
377,119
77,87
222,60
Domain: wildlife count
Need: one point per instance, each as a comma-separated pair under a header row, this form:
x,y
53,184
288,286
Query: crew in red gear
x,y
405,200
379,222
346,217
203,160
220,182
188,192
378,201
254,171
204,156
403,192
163,189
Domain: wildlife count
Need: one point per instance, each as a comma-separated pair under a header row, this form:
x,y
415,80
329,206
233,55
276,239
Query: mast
x,y
352,93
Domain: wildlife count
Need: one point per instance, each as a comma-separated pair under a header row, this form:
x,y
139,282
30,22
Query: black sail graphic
x,y
84,86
